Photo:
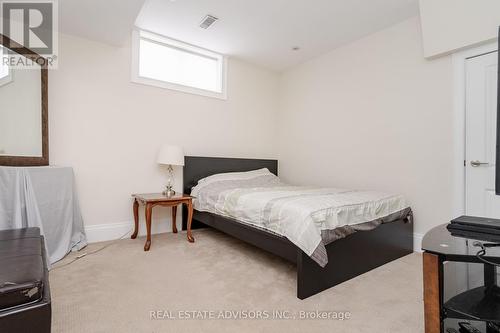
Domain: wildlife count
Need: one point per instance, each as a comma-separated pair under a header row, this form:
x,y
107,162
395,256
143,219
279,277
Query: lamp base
x,y
169,191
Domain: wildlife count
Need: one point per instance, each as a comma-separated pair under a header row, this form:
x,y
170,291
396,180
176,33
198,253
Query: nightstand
x,y
150,200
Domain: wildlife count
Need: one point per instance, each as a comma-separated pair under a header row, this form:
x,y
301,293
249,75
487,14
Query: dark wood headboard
x,y
196,168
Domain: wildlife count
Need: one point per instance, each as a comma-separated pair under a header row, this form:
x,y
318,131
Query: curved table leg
x,y
149,208
190,219
136,219
174,215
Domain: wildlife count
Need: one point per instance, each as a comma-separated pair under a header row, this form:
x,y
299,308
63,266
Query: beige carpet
x,y
116,289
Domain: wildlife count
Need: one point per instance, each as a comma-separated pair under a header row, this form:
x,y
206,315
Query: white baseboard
x,y
112,231
417,242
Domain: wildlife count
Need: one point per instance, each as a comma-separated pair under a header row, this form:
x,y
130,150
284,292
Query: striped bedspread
x,y
309,217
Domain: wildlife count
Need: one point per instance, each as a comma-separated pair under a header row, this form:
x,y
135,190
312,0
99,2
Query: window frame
x,y
138,35
9,77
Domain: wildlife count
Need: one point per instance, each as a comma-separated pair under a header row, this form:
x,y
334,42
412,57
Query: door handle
x,y
476,164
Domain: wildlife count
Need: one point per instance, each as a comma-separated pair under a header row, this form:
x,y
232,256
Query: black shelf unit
x,y
474,304
480,305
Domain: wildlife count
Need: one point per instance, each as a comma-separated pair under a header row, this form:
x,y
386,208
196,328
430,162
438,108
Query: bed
x,y
348,257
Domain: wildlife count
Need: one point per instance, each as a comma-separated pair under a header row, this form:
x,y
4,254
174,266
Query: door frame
x,y
459,126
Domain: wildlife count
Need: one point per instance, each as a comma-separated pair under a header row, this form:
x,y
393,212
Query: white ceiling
x,y
259,31
108,21
264,31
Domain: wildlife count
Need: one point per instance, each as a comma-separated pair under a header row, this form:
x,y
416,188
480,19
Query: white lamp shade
x,y
171,155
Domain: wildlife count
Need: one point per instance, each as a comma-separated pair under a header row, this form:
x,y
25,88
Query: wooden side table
x,y
150,200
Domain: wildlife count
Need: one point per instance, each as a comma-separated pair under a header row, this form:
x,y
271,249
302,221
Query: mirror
x,y
23,108
497,171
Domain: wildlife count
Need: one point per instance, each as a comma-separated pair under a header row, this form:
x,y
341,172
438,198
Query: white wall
x,y
110,129
373,114
450,25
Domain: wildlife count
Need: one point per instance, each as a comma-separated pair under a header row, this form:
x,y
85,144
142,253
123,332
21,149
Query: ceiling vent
x,y
208,21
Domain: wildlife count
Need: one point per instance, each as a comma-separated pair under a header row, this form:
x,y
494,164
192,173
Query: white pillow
x,y
228,176
235,175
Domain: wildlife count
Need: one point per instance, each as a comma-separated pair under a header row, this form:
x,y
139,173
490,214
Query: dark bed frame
x,y
347,258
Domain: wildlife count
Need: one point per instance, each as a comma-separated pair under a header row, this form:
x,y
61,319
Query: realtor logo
x,y
31,24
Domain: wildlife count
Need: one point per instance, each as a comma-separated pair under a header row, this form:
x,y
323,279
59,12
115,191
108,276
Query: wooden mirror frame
x,y
32,160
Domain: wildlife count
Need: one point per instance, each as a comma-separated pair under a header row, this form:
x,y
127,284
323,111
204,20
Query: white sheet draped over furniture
x,y
43,197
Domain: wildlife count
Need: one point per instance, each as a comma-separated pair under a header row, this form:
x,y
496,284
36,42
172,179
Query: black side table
x,y
478,304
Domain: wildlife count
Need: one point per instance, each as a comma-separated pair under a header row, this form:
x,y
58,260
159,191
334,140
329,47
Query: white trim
x,y
113,231
10,74
8,78
151,36
417,242
136,78
458,60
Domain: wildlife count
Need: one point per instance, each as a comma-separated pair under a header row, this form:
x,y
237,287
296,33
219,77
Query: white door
x,y
480,145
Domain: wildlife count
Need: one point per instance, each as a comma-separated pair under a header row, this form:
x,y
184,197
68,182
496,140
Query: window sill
x,y
178,87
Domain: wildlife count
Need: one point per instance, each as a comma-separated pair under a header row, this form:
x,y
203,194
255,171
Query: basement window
x,y
166,63
5,72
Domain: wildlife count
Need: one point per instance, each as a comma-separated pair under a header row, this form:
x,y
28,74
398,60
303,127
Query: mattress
x,y
310,217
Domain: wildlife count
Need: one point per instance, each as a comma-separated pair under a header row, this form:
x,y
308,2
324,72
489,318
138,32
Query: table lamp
x,y
170,155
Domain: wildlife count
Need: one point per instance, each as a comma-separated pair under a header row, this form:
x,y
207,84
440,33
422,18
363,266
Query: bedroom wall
x,y
315,118
109,129
375,115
